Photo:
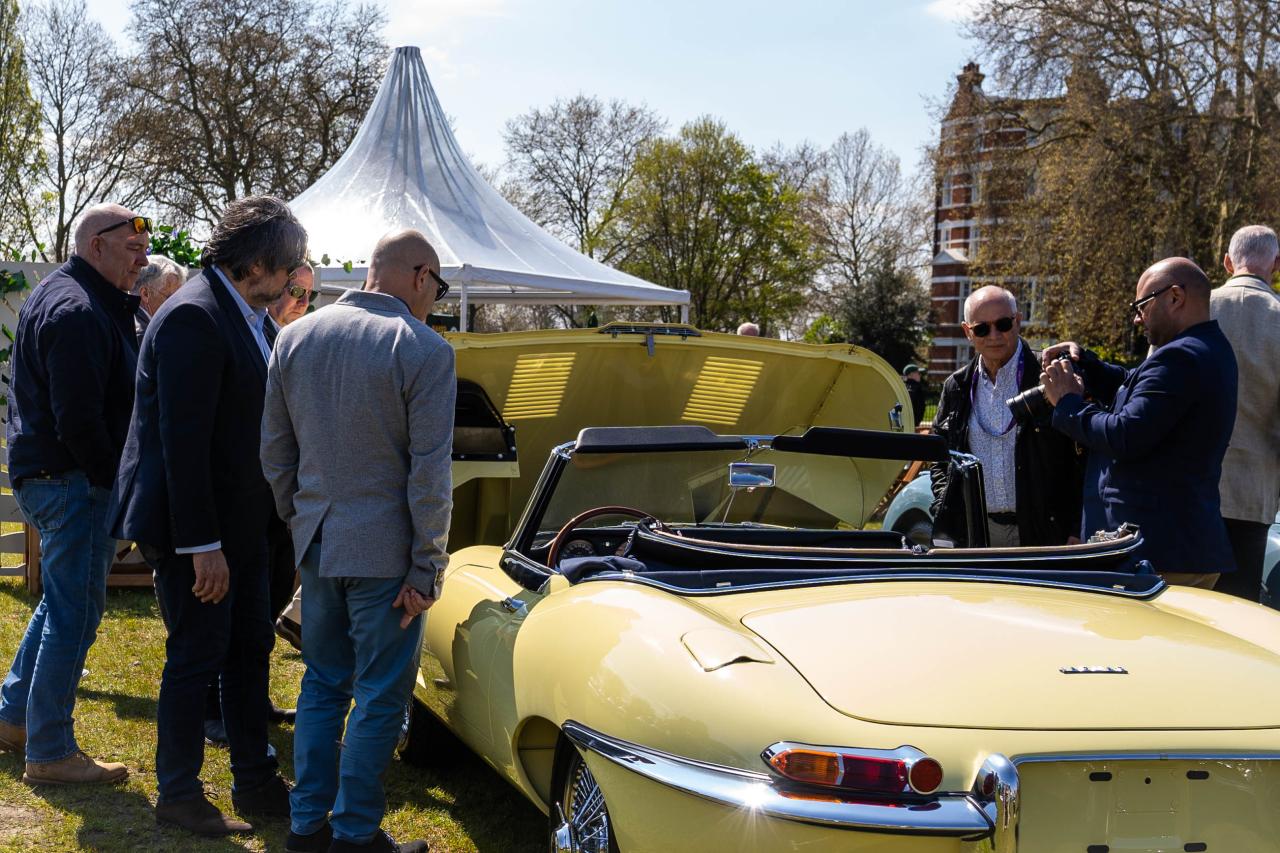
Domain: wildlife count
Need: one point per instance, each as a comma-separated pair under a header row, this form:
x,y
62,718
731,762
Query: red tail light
x,y
925,776
900,771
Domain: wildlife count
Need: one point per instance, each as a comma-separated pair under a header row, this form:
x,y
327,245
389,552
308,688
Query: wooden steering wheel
x,y
553,550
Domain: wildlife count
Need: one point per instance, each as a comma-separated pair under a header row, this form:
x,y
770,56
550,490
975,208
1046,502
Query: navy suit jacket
x,y
191,473
1161,445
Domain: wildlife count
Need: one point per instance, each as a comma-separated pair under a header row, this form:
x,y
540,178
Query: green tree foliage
x,y
704,215
887,312
574,161
176,244
21,154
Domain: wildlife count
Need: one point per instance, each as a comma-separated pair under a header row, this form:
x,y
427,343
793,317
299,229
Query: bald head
x,y
402,265
1173,296
987,295
95,219
107,240
1183,272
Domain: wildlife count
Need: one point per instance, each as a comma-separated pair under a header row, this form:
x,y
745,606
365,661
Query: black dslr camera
x,y
1031,406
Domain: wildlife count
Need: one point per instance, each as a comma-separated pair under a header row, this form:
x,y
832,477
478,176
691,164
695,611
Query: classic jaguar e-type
x,y
693,637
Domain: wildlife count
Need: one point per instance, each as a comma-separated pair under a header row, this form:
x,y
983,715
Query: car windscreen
x,y
692,487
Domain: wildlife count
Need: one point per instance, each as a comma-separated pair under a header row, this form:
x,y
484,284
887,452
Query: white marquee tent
x,y
404,169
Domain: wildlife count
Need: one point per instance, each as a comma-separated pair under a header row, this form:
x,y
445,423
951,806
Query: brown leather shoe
x,y
75,769
13,738
200,816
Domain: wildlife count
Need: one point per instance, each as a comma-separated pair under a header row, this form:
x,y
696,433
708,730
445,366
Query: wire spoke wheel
x,y
585,810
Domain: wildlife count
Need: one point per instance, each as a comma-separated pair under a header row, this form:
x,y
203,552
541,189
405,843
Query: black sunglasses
x,y
141,225
442,286
1136,306
981,330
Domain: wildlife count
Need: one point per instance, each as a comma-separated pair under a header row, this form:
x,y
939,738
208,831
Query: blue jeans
x,y
229,642
40,690
354,648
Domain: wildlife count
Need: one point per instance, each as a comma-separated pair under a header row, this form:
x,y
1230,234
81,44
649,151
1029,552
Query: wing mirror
x,y
751,475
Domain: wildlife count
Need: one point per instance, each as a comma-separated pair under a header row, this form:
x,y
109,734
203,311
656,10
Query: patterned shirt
x,y
988,438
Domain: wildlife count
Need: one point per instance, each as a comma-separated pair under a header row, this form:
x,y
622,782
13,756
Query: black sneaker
x,y
381,843
270,799
314,842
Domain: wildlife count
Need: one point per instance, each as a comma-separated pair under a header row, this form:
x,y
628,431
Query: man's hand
x,y
1052,353
213,578
1059,380
413,603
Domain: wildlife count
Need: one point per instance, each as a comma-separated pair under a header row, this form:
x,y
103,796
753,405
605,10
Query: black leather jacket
x,y
1049,468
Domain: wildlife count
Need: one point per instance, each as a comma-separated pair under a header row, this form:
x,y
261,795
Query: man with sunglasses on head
x,y
1160,430
192,493
73,361
357,440
1031,473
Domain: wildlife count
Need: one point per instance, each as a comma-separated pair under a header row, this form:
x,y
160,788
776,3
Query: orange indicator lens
x,y
811,767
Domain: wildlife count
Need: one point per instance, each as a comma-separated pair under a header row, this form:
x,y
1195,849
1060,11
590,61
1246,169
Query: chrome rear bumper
x,y
986,817
945,815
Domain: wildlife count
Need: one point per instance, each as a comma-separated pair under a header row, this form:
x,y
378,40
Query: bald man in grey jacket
x,y
357,439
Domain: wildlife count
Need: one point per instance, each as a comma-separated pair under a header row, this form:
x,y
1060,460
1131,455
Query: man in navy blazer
x,y
191,492
1163,437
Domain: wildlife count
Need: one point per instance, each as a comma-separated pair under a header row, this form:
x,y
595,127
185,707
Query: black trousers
x,y
1249,547
229,642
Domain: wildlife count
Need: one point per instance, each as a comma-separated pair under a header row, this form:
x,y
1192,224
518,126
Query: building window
x,y
1032,305
956,238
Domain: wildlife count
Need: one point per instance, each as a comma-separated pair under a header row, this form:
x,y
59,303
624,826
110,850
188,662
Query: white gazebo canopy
x,y
404,169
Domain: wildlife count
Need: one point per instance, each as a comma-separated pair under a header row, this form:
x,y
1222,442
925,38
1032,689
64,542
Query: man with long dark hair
x,y
192,494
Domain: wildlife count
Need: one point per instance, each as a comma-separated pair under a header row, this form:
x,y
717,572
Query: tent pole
x,y
684,313
462,307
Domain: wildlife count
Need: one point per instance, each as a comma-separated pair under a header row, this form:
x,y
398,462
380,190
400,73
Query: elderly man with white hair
x,y
159,280
1248,312
1032,474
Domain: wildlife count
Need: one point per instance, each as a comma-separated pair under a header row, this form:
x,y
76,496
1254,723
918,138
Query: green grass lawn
x,y
463,805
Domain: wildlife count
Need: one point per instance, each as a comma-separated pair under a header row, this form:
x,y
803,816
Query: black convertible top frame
x,y
824,441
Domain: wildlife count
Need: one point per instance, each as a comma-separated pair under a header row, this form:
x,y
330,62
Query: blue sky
x,y
787,70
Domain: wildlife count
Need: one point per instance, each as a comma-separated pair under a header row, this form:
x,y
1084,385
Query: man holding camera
x,y
1031,473
1162,439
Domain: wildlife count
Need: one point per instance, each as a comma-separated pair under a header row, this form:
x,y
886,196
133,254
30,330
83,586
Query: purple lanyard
x,y
973,396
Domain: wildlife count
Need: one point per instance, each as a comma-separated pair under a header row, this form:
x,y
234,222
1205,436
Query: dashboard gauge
x,y
578,548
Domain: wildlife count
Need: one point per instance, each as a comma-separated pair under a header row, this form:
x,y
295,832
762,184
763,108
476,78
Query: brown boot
x,y
200,816
13,738
75,769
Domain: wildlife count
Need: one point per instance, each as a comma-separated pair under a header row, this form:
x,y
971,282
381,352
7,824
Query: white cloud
x,y
952,10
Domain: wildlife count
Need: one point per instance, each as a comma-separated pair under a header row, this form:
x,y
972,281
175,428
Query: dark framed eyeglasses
x,y
442,286
141,225
981,330
1137,305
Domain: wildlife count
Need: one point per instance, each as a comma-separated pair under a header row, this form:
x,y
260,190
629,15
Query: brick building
x,y
978,135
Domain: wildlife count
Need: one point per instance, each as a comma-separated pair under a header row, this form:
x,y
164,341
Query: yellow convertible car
x,y
669,622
